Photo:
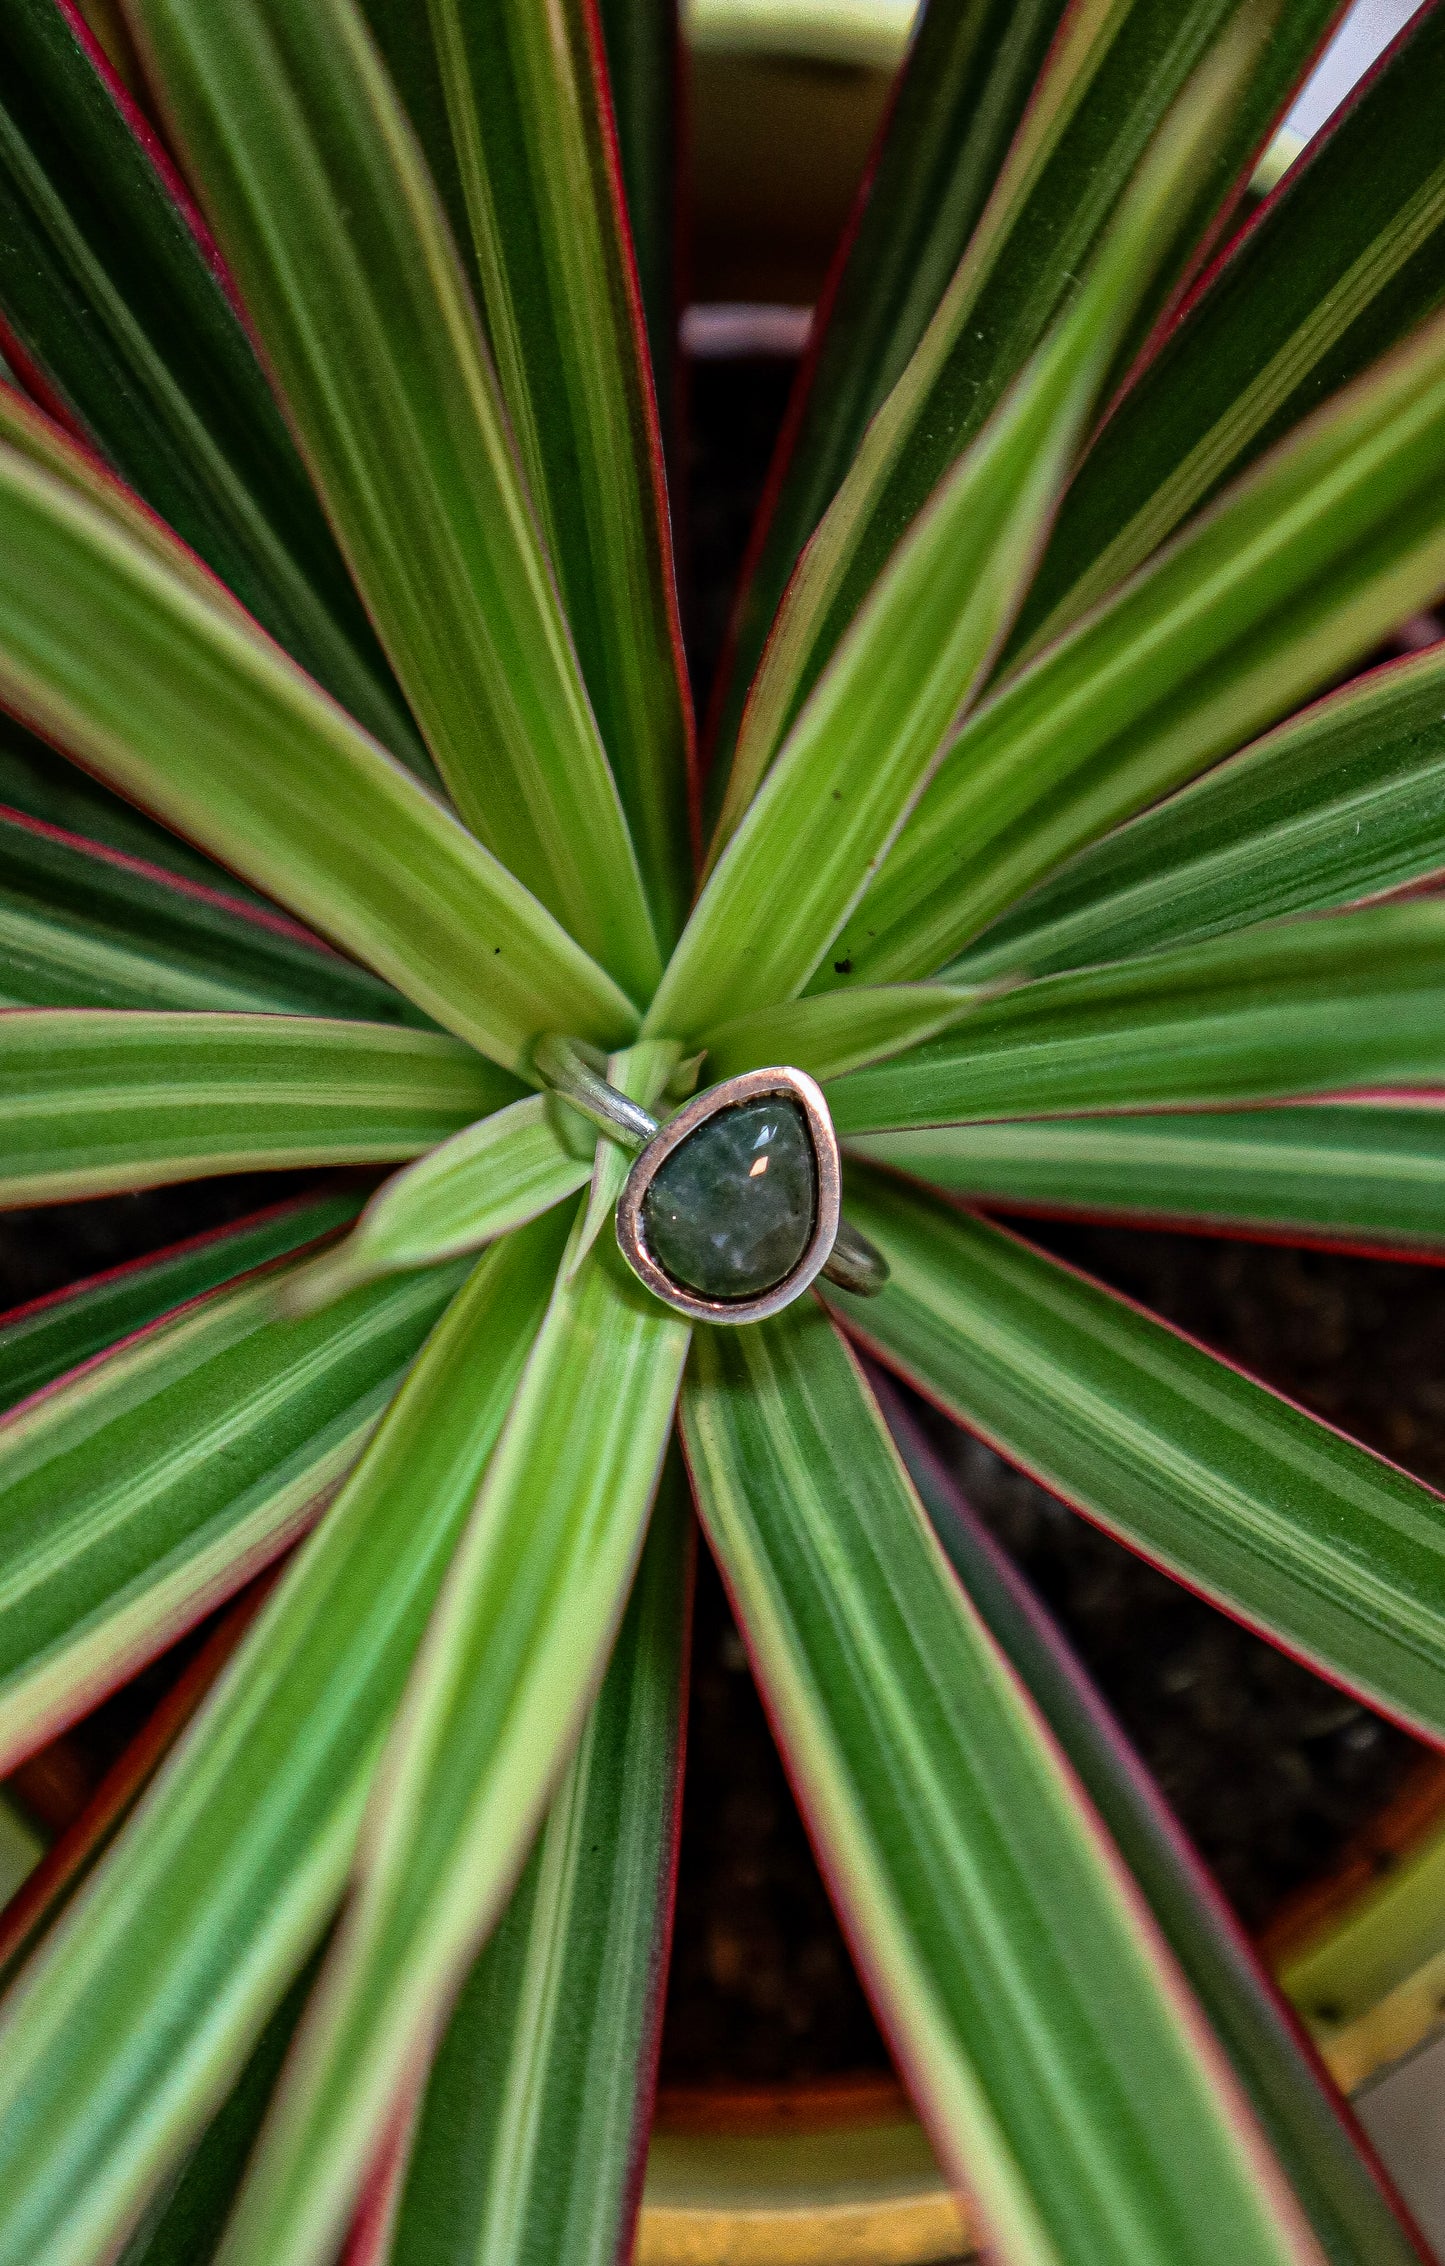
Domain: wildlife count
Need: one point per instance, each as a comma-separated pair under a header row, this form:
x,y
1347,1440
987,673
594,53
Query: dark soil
x,y
44,1249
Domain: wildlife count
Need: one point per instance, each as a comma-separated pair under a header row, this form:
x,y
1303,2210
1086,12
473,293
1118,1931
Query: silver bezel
x,y
752,1086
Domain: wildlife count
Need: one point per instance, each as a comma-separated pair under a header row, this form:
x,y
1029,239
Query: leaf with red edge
x,y
121,647
1358,2220
1362,1175
1111,77
85,926
644,68
39,1342
143,1489
38,1903
1297,570
1336,1005
872,729
500,1691
1343,260
512,107
126,2032
290,125
100,1099
963,88
534,2123
1342,802
1054,2050
1325,1548
113,301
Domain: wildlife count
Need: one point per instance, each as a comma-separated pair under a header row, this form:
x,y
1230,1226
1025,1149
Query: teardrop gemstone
x,y
731,1211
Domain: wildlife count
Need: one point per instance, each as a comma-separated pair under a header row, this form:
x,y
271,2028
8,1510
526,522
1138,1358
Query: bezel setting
x,y
753,1085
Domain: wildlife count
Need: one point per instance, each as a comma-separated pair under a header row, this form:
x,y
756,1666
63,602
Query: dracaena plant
x,y
334,556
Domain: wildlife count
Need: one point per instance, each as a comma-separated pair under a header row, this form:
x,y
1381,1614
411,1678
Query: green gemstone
x,y
731,1211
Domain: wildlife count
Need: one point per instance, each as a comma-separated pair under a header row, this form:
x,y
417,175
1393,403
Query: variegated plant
x,y
384,644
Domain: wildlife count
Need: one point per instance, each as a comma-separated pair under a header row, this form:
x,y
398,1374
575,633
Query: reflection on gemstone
x,y
731,1211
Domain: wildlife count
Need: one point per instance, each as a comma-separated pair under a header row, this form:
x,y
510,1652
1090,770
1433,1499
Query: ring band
x,y
578,1073
761,1152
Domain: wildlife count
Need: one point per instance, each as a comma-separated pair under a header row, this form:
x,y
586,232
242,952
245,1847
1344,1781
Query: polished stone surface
x,y
731,1211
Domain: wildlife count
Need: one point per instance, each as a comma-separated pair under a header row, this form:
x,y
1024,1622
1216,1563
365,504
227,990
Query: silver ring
x,y
688,1222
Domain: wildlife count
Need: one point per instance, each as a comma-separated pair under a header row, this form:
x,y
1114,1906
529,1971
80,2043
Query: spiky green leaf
x,y
1309,2128
82,926
963,89
39,1342
1313,1006
532,2130
1112,75
329,218
1356,1174
110,293
1345,259
1342,802
184,2224
840,1031
136,1494
95,1099
1050,2042
643,65
485,1180
1327,1549
125,2035
1296,571
496,1700
865,742
113,644
511,106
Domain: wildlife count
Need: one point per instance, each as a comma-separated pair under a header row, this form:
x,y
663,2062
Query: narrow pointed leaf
x,y
1314,1006
864,744
1052,2045
40,783
534,2123
495,1702
511,105
111,293
489,1178
839,1031
326,212
47,443
99,1099
168,693
1317,2142
1370,1174
1112,76
39,1342
74,1854
1343,261
969,74
1296,571
644,67
1327,1549
126,2034
184,2224
138,1493
1343,802
83,926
